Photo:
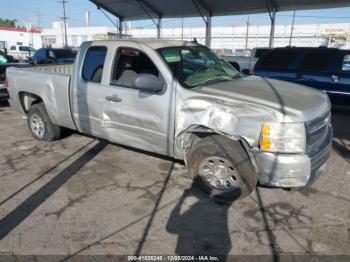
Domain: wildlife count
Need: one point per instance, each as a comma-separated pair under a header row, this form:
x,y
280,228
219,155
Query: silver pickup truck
x,y
178,99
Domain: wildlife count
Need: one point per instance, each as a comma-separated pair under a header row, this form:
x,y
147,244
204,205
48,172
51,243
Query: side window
x,y
315,62
346,63
259,52
93,63
278,59
13,48
129,64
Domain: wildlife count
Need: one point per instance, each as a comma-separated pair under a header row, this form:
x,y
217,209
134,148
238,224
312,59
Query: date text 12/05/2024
x,y
173,258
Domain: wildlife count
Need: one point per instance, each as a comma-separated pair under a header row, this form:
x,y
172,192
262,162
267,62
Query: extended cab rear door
x,y
315,67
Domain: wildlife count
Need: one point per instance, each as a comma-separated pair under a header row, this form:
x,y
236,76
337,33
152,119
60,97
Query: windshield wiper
x,y
214,80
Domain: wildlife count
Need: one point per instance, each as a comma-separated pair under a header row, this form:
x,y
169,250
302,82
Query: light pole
x,y
64,21
247,33
291,30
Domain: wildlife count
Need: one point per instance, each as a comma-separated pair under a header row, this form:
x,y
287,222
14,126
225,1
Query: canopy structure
x,y
158,9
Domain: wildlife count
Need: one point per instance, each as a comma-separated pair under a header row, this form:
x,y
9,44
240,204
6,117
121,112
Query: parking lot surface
x,y
80,196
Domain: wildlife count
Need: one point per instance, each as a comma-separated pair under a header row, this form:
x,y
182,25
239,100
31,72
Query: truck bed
x,y
49,82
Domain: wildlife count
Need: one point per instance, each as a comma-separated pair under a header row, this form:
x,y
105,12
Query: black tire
x,y
50,131
232,166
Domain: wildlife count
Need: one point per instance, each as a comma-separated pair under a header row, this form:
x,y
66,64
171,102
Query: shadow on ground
x,y
200,223
20,213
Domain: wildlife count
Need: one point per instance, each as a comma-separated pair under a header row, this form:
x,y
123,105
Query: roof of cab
x,y
154,43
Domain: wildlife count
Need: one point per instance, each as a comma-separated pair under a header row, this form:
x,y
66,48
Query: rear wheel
x,y
40,124
223,167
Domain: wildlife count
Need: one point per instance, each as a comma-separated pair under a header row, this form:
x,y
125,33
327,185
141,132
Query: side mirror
x,y
148,82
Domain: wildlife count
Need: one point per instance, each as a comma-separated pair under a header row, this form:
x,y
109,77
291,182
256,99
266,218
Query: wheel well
x,y
28,99
235,65
198,134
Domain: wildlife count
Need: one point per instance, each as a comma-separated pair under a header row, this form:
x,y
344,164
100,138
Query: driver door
x,y
133,117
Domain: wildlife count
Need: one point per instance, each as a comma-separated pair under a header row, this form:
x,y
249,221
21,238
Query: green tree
x,y
8,22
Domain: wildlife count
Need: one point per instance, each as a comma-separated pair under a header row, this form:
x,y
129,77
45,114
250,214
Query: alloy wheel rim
x,y
37,126
219,173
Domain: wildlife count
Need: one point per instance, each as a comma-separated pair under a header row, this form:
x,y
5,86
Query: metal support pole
x,y
208,31
291,30
272,30
159,27
65,22
182,28
247,33
120,28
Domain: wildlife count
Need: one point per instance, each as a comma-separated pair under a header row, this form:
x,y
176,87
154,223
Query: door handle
x,y
335,78
113,98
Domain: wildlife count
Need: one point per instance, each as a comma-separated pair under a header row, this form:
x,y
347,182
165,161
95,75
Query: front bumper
x,y
293,170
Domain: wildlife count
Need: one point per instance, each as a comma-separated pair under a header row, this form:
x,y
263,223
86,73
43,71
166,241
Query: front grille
x,y
317,130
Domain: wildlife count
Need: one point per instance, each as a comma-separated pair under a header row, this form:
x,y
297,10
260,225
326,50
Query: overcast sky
x,y
51,10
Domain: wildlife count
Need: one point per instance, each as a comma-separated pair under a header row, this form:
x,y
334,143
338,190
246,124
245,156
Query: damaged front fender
x,y
235,120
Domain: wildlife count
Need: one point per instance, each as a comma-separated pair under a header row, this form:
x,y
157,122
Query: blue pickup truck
x,y
326,69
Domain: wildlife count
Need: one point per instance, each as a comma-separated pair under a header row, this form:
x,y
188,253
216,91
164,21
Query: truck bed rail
x,y
61,69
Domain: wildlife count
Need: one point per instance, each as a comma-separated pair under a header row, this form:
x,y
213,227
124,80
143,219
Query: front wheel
x,y
223,167
40,124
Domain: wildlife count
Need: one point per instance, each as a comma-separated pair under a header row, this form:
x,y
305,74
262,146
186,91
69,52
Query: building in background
x,y
20,37
75,35
225,37
234,37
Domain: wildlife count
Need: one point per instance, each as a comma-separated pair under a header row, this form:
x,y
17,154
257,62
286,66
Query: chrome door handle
x,y
335,78
113,98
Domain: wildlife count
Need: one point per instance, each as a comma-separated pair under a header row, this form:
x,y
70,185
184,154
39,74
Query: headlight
x,y
283,137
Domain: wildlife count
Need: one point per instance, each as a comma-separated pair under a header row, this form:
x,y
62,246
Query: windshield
x,y
197,65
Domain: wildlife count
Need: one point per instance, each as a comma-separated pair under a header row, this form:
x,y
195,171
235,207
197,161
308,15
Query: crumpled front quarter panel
x,y
233,119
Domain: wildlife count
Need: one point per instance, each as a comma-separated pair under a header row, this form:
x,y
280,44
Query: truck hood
x,y
298,102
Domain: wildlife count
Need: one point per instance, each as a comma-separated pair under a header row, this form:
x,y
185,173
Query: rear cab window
x,y
93,64
277,59
63,53
259,52
315,61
